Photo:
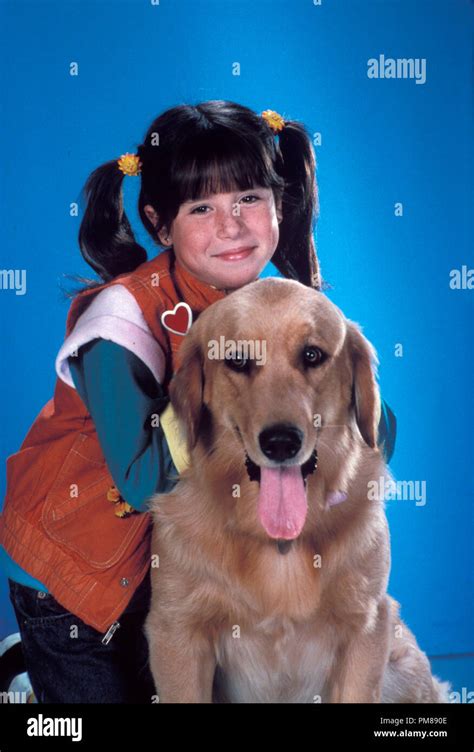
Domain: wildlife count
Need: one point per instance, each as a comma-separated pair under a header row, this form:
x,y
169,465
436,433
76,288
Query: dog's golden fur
x,y
233,618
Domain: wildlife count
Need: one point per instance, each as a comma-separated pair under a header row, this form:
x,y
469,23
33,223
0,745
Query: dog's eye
x,y
313,356
238,363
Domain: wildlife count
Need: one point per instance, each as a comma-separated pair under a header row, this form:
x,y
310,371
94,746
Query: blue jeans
x,y
65,668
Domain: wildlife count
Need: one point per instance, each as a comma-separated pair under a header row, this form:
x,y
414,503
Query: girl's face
x,y
224,240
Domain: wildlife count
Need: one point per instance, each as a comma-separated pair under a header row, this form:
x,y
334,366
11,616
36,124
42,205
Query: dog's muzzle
x,y
307,468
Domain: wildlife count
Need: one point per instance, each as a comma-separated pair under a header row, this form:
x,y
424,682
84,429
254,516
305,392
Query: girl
x,y
223,198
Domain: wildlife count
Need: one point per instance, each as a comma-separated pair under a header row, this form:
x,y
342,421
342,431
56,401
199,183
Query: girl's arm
x,y
122,396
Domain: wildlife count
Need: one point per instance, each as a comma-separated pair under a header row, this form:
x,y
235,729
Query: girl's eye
x,y
313,356
204,206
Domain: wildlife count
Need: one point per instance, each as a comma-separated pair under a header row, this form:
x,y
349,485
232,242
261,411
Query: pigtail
x,y
296,255
106,239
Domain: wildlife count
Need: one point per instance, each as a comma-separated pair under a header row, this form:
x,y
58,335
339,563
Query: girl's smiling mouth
x,y
236,254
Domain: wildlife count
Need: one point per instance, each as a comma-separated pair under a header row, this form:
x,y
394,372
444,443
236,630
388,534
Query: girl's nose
x,y
228,219
229,215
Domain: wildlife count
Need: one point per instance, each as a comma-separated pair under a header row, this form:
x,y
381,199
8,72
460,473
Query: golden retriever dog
x,y
273,556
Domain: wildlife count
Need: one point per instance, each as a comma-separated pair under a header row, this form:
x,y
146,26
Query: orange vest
x,y
89,559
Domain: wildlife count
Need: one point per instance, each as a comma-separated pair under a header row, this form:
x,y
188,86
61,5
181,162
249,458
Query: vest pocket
x,y
77,513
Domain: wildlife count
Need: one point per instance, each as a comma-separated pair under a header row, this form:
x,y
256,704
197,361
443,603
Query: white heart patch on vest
x,y
179,319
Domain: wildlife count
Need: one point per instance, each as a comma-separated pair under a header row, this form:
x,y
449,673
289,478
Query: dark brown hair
x,y
190,152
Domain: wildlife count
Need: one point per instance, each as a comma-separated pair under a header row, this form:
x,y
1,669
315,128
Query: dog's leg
x,y
182,666
408,676
360,665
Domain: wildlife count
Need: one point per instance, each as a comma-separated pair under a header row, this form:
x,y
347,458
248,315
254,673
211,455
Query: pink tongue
x,y
282,504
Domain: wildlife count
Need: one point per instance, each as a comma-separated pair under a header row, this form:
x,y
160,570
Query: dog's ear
x,y
187,387
365,390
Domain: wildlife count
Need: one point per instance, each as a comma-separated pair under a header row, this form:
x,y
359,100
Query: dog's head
x,y
268,369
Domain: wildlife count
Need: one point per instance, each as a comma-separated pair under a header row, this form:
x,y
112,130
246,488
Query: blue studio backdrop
x,y
395,180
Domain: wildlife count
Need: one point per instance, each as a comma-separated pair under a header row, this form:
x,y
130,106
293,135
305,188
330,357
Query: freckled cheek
x,y
193,242
264,226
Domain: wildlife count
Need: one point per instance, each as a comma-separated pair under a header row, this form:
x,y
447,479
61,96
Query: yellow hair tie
x,y
130,164
274,120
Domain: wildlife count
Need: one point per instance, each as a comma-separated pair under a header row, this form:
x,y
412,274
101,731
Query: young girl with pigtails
x,y
224,190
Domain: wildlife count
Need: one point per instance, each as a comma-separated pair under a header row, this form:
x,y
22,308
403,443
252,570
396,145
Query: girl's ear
x,y
278,210
151,214
365,391
163,235
187,387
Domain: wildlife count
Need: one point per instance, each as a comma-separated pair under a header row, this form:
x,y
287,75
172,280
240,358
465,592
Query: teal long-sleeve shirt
x,y
121,395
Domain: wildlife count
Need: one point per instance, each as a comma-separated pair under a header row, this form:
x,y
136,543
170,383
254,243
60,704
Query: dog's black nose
x,y
280,442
